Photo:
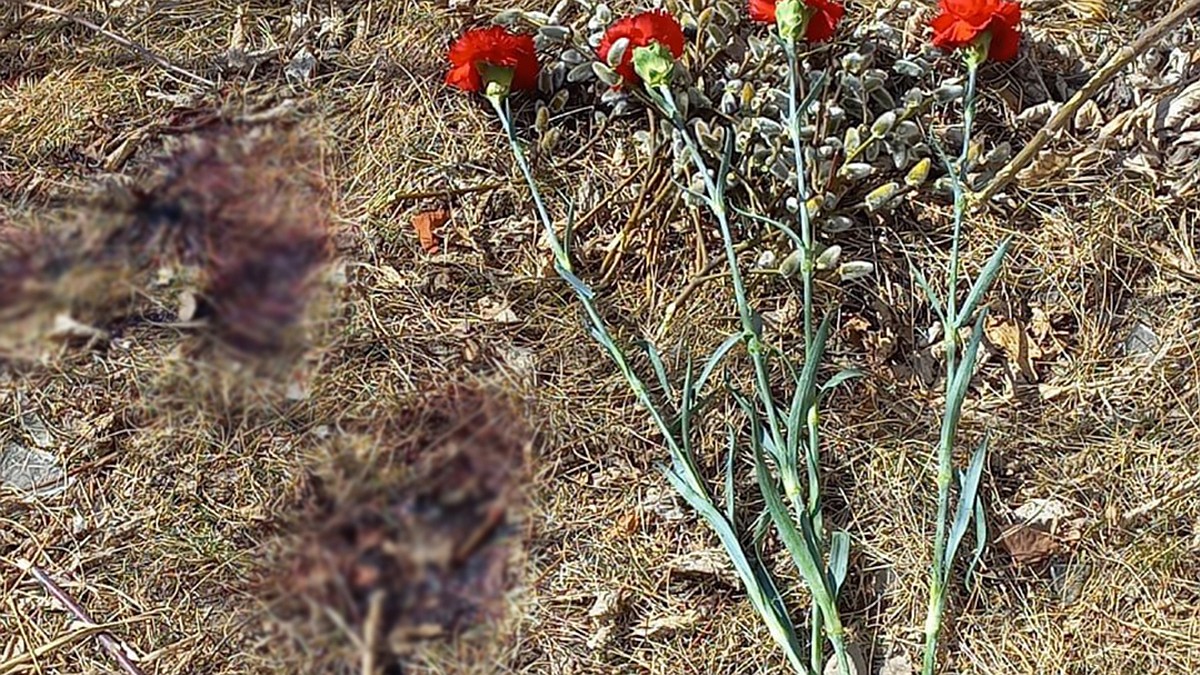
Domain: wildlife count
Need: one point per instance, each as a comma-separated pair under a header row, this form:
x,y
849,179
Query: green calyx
x,y
791,18
497,80
654,64
977,52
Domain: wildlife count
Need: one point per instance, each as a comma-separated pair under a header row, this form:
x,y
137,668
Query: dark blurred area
x,y
224,237
414,538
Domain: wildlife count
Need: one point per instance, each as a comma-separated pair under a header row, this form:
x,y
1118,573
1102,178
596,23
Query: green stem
x,y
941,568
641,392
502,111
802,215
812,458
716,202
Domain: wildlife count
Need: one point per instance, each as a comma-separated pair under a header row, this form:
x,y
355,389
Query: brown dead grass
x,y
189,464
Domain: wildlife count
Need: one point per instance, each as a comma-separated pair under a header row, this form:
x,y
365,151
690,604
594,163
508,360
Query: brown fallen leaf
x,y
425,223
1027,544
1040,528
1012,338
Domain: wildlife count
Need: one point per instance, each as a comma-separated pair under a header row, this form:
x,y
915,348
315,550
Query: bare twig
x,y
1109,70
123,41
110,644
445,192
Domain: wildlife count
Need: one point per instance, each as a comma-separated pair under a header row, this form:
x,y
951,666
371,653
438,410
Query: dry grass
x,y
193,466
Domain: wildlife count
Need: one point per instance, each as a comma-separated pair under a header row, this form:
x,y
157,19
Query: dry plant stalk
x,y
123,41
106,640
1066,113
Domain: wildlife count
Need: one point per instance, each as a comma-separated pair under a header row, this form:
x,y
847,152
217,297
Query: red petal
x,y
659,26
1006,41
1009,13
975,12
762,11
641,30
824,21
494,46
464,77
950,32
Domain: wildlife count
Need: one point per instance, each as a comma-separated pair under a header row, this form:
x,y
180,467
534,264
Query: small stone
x,y
1142,341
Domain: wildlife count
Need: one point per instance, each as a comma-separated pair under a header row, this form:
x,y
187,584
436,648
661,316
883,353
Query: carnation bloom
x,y
486,55
641,30
961,22
823,16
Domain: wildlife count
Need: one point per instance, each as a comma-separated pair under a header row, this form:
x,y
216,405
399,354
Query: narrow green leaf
x,y
984,282
762,525
962,380
660,369
726,161
842,376
931,294
764,596
581,289
839,560
966,502
804,395
782,227
569,228
981,534
716,358
800,543
687,407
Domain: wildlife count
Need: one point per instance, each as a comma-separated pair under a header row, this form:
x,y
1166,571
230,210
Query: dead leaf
x,y
709,562
425,223
1012,338
499,311
897,665
1040,528
665,625
1027,544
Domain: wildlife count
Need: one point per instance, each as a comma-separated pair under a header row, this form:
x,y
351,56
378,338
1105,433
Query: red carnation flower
x,y
642,30
494,47
821,24
962,21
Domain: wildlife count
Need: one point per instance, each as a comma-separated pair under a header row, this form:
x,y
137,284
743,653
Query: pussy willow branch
x,y
1066,113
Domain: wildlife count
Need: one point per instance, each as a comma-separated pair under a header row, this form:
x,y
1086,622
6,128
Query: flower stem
x,y
807,265
716,202
500,105
940,571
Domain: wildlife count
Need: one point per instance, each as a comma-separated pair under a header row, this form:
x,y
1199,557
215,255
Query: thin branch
x,y
1108,71
123,41
445,192
115,648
